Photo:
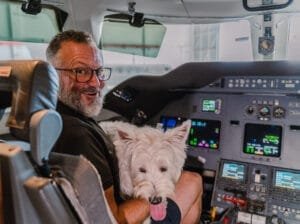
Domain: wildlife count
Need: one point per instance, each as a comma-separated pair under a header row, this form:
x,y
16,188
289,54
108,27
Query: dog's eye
x,y
142,170
163,169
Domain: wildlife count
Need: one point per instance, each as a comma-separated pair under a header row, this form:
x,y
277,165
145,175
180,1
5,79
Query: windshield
x,y
254,37
246,39
26,35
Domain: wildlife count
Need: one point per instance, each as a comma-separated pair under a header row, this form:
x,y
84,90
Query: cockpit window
x,y
26,35
19,26
261,37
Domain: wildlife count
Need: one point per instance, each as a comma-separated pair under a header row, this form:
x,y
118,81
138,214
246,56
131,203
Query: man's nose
x,y
95,81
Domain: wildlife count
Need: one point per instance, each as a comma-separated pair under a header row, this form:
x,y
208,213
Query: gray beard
x,y
72,99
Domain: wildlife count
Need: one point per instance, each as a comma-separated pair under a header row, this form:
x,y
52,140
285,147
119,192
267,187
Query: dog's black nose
x,y
155,200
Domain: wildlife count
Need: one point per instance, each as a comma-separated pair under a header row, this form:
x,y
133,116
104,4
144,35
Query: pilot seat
x,y
37,186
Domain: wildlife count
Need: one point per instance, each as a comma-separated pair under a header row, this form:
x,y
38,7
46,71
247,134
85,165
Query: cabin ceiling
x,y
177,8
87,14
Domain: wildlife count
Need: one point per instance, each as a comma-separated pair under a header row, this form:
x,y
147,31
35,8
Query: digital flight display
x,y
235,171
211,105
287,179
205,133
170,122
262,140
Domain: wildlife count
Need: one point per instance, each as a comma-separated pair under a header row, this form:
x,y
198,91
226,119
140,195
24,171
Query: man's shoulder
x,y
73,121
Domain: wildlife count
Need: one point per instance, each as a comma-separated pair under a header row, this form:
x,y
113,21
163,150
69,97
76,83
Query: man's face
x,y
86,97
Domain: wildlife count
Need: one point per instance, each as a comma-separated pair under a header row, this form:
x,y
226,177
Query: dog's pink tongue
x,y
158,211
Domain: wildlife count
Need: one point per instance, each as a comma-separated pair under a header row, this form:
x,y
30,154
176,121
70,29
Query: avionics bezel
x,y
210,121
217,105
258,128
221,169
179,120
275,170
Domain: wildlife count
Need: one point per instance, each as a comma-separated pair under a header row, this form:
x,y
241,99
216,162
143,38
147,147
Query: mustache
x,y
90,90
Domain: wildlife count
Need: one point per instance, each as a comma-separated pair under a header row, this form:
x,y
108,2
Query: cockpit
x,y
231,67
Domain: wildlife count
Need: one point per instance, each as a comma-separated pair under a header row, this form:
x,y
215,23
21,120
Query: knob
x,y
279,112
264,111
250,110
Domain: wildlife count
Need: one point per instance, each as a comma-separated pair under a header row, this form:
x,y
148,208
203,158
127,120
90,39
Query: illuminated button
x,y
257,188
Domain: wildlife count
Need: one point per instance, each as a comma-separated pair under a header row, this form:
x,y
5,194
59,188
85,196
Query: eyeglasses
x,y
86,74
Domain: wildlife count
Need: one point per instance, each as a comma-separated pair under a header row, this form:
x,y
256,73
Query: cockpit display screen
x,y
209,105
205,133
287,179
170,122
235,171
262,140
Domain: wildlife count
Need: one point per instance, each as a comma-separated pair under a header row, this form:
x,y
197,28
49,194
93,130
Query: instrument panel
x,y
246,132
268,191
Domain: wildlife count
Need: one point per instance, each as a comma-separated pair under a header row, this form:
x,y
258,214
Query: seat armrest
x,y
45,128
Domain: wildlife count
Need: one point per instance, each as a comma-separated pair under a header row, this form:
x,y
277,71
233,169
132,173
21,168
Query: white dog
x,y
150,161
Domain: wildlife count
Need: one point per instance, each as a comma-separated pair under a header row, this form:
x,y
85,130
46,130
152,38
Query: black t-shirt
x,y
83,136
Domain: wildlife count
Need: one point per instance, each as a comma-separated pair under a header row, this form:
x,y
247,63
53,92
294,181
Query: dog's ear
x,y
123,135
180,133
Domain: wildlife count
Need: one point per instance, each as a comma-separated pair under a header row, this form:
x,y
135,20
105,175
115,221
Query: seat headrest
x,y
33,85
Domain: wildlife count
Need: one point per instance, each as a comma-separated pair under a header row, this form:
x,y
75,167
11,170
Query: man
x,y
82,77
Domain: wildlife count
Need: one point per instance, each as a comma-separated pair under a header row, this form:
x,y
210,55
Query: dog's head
x,y
151,160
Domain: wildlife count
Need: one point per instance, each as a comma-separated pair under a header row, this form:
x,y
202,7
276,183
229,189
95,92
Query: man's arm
x,y
188,196
130,211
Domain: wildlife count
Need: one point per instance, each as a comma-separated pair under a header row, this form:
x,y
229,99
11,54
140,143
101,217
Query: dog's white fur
x,y
150,160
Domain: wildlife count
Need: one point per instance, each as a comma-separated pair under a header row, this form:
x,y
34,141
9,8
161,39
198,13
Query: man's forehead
x,y
74,50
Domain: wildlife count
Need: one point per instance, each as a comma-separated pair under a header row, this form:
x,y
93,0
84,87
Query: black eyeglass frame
x,y
75,71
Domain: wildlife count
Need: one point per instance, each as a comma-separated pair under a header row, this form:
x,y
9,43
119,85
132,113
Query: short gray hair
x,y
69,35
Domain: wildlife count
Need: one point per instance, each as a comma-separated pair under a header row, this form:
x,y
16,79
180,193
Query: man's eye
x,y
80,71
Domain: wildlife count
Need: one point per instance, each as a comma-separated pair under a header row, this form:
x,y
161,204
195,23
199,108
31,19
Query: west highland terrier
x,y
150,161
